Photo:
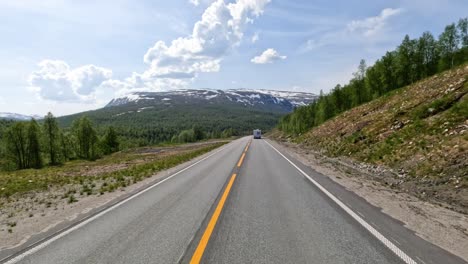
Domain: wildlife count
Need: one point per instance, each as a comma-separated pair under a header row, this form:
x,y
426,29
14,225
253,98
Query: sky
x,y
69,56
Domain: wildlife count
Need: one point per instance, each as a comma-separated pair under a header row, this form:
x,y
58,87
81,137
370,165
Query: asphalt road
x,y
241,205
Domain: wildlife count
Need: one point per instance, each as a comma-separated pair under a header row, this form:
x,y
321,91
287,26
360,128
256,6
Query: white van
x,y
257,134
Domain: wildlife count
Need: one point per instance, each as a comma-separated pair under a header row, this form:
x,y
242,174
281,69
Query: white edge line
x,y
396,241
402,255
68,231
422,261
361,214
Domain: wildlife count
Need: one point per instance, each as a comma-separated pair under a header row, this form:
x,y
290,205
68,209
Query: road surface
x,y
244,203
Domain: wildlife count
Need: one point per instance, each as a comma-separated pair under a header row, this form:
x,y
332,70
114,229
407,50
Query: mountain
x,y
19,117
153,117
283,101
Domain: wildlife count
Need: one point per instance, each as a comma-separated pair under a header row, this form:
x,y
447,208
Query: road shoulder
x,y
55,221
440,226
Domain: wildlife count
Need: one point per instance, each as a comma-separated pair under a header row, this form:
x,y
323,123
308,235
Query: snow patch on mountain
x,y
246,97
20,117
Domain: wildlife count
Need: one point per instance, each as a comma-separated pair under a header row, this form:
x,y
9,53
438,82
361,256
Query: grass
x,y
123,178
414,127
137,167
72,199
420,130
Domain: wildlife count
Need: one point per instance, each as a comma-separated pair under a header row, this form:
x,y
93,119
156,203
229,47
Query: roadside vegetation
x,y
407,129
413,60
36,144
30,144
39,193
112,172
41,159
414,139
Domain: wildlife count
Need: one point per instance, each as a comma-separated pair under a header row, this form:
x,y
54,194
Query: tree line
x,y
196,133
34,145
413,60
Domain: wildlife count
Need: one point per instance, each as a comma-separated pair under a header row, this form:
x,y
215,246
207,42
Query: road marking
x,y
402,255
65,231
360,213
396,241
241,160
211,225
422,261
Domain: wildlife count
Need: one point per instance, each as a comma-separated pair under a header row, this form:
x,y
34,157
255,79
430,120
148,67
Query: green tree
x,y
111,141
388,72
405,62
197,133
51,136
448,42
373,82
229,132
34,159
358,84
66,146
186,136
463,31
86,137
16,144
427,50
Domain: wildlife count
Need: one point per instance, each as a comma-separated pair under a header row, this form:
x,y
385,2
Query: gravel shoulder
x,y
437,224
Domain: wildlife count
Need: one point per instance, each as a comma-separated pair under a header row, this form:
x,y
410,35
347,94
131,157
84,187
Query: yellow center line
x,y
247,147
211,225
198,254
241,160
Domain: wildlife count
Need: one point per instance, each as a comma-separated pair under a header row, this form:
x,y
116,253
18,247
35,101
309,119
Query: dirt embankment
x,y
433,222
414,139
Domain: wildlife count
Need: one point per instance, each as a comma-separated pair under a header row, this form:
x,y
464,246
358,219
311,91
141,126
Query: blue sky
x,y
70,56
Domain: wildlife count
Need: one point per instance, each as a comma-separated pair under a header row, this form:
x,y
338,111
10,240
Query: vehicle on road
x,y
257,134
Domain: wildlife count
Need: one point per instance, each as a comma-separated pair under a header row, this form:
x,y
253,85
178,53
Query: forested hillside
x,y
413,60
153,117
162,123
420,132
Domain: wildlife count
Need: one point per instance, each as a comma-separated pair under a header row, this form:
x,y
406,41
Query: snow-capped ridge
x,y
247,97
20,117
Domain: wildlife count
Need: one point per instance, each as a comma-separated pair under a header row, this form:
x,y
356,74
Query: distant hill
x,y
157,116
18,117
281,101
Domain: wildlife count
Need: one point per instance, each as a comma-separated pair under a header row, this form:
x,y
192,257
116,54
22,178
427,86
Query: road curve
x,y
259,208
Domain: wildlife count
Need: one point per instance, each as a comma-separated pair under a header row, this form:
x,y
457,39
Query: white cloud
x,y
220,29
56,81
170,65
255,37
268,56
367,31
372,25
194,2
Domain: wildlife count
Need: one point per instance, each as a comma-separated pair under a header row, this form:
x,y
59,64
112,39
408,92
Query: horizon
x,y
74,57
